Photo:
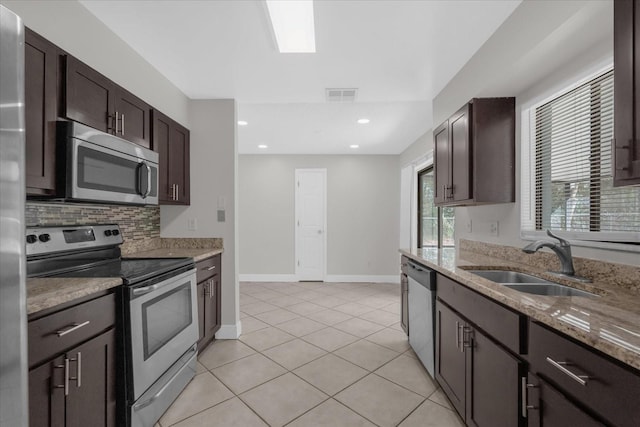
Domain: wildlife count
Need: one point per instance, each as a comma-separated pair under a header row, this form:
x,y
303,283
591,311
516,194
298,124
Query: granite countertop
x,y
47,292
198,254
609,323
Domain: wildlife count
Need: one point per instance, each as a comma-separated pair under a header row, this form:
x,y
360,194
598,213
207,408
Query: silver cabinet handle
x,y
580,379
116,122
122,124
177,192
78,377
525,405
467,332
65,385
210,268
458,345
71,328
212,289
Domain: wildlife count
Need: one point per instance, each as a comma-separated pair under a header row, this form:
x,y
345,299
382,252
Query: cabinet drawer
x,y
611,390
499,322
208,268
60,331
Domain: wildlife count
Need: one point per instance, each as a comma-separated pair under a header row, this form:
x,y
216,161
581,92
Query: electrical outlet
x,y
221,215
469,228
192,224
493,228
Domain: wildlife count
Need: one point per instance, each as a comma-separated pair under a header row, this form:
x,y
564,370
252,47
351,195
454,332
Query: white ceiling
x,y
399,54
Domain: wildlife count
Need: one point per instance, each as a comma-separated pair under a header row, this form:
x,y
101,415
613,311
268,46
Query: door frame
x,y
324,225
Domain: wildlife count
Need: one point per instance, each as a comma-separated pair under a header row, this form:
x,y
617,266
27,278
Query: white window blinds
x,y
567,182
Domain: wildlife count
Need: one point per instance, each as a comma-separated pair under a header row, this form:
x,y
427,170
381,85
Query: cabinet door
x,y
492,383
626,149
89,96
46,394
161,132
450,358
442,167
133,116
41,63
404,303
179,163
549,408
202,297
460,142
92,395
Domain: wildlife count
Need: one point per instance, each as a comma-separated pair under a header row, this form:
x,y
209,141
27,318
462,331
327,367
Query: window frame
x,y
419,172
594,239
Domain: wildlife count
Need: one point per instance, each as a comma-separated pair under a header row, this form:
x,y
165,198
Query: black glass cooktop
x,y
131,270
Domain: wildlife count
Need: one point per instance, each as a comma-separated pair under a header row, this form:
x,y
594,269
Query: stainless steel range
x,y
160,325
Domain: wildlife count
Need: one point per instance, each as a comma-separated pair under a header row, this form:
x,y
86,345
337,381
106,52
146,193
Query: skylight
x,y
293,25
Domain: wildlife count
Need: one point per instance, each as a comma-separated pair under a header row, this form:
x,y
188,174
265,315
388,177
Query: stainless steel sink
x,y
527,283
552,289
504,276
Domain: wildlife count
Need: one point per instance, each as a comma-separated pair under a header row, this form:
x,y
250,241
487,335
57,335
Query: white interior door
x,y
311,201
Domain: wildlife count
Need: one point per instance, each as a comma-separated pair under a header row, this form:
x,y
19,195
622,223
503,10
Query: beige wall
x,y
362,214
213,188
72,27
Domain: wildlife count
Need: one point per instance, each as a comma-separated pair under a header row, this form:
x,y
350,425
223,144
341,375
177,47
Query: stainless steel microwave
x,y
99,167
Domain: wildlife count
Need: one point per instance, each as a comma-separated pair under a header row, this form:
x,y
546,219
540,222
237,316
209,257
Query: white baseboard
x,y
229,332
329,278
268,278
362,278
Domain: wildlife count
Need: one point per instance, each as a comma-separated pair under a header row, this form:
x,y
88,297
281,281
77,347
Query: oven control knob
x,y
107,233
115,232
32,238
44,238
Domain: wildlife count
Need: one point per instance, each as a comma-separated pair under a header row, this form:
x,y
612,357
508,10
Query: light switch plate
x,y
221,215
493,228
192,224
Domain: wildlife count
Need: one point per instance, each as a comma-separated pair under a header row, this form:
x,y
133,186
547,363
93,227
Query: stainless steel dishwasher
x,y
422,300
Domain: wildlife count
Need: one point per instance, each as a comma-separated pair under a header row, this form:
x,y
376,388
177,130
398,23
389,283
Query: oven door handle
x,y
147,289
159,393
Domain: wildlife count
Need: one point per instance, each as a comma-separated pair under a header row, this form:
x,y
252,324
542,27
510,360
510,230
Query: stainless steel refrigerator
x,y
13,312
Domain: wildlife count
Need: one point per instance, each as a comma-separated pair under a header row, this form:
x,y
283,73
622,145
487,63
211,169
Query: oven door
x,y
99,173
163,324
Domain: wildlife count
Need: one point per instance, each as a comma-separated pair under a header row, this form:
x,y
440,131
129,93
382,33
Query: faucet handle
x,y
560,239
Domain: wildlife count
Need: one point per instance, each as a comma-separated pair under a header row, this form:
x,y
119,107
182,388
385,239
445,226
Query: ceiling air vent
x,y
341,94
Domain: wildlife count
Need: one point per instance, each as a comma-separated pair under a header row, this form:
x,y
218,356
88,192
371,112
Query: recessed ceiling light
x,y
293,25
263,146
354,146
363,121
242,123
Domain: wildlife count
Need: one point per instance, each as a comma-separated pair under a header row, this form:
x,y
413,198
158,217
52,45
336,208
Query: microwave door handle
x,y
148,189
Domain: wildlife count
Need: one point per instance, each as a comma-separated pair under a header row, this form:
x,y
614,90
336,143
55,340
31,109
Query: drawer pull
x,y
65,385
78,377
525,397
580,379
213,267
71,328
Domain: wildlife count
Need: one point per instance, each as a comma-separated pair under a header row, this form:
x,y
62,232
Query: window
x,y
435,225
567,182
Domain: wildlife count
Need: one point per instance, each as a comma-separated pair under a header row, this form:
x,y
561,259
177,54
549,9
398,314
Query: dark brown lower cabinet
x,y
547,407
209,302
479,376
88,395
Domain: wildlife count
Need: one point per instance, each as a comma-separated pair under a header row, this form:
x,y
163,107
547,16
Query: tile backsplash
x,y
140,225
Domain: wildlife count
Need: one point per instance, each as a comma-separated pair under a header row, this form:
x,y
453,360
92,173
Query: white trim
x,y
268,278
332,278
229,332
324,234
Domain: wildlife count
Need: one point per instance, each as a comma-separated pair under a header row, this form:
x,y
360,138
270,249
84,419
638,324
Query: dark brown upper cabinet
x,y
474,154
41,64
626,61
171,142
96,101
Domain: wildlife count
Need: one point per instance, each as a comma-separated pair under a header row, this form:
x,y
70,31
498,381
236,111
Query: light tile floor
x,y
312,355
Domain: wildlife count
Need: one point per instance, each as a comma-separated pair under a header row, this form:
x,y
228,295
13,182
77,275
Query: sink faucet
x,y
563,250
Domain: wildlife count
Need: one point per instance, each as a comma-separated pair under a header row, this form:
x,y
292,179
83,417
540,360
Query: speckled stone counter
x,y
43,293
609,323
198,254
